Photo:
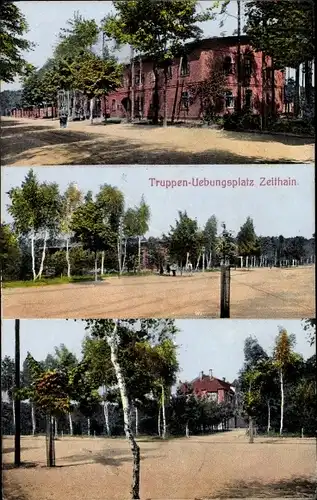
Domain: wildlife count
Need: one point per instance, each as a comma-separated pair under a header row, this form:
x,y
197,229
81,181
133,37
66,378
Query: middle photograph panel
x,y
220,242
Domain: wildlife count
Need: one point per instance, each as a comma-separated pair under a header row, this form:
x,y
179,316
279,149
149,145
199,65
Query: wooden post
x,y
225,292
17,403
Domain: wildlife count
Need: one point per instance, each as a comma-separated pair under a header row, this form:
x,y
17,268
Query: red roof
x,y
208,384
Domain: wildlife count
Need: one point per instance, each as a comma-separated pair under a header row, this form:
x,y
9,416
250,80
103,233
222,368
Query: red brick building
x,y
260,92
218,390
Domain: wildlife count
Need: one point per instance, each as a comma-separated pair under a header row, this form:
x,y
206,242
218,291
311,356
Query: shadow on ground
x,y
283,139
81,148
12,491
296,487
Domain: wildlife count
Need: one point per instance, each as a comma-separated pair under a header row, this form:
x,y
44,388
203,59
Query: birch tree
x,y
36,210
72,199
283,357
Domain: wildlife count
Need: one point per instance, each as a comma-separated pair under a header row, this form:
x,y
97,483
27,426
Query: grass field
x,y
27,142
221,465
259,294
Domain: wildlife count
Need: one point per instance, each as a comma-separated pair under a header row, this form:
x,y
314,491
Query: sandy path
x,y
40,142
259,294
200,467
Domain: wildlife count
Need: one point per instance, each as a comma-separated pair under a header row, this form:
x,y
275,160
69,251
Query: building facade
x,y
209,386
209,68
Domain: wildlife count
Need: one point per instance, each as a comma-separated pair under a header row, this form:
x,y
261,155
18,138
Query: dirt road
x,y
221,465
260,293
40,142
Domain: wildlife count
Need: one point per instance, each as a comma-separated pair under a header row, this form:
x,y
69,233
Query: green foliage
x,y
247,240
282,30
13,27
227,245
10,99
183,238
10,254
7,375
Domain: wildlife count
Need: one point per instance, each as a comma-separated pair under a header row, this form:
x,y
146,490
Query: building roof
x,y
203,43
205,383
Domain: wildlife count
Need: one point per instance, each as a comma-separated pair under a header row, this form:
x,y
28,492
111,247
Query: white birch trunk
x,y
282,402
43,256
124,254
13,414
187,430
33,419
106,415
268,417
88,426
102,266
159,422
71,431
55,428
119,254
33,257
67,258
198,262
163,414
96,267
91,110
113,344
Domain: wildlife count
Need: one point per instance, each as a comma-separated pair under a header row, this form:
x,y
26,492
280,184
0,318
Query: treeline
x,y
72,233
10,99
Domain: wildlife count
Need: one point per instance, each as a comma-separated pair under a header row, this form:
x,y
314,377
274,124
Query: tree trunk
x,y
124,254
70,424
139,254
33,419
119,252
132,85
88,426
96,267
102,266
198,262
55,428
50,449
296,98
33,257
156,102
251,434
43,256
106,415
165,98
187,430
113,344
163,413
159,421
67,258
282,402
91,110
136,422
268,417
13,413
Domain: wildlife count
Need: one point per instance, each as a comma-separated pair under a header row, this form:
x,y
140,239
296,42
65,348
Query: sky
x,y
202,344
275,210
45,19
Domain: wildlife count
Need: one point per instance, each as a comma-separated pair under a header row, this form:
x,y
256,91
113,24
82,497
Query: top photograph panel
x,y
179,82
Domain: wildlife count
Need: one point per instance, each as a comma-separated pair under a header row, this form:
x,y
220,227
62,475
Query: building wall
x,y
201,63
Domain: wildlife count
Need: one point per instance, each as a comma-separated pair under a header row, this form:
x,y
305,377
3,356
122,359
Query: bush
x,y
241,121
295,126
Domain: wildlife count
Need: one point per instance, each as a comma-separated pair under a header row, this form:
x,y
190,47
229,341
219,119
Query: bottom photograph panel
x,y
158,409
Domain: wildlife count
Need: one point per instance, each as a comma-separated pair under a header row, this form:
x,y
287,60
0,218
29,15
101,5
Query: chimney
x,y
201,375
224,379
210,374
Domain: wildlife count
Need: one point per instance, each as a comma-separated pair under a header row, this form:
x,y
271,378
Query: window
x,y
213,396
229,99
137,79
247,66
248,98
184,100
228,66
113,106
184,66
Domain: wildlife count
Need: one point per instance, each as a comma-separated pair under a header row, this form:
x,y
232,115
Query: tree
x,y
79,36
89,225
183,238
227,245
159,30
283,357
142,224
10,255
13,28
110,200
310,327
72,199
247,240
7,381
36,211
211,240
